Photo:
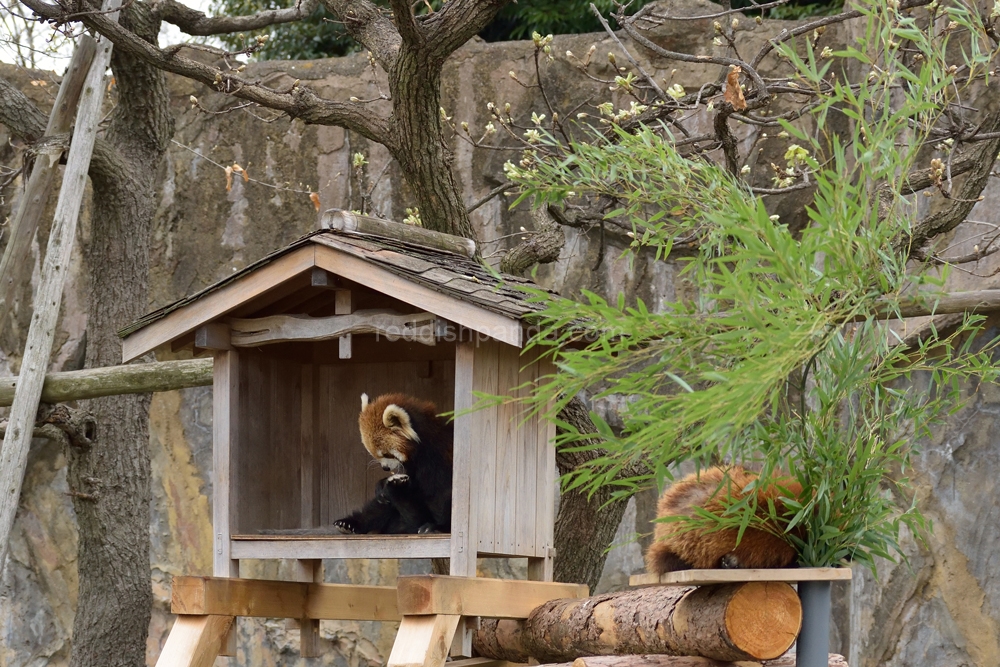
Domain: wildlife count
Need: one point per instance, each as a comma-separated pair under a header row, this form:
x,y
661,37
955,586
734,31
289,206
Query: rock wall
x,y
942,608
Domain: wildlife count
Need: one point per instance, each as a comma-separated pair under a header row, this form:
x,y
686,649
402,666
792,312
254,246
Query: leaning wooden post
x,y
32,204
14,455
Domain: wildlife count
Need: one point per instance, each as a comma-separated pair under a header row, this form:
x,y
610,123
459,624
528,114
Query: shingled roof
x,y
448,273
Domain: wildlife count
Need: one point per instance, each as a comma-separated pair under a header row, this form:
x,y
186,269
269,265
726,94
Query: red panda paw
x,y
346,526
730,562
399,479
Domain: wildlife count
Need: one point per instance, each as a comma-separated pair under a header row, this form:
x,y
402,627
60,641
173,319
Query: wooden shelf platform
x,y
702,577
341,546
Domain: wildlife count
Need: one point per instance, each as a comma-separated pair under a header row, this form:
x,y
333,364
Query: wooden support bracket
x,y
213,336
423,641
194,641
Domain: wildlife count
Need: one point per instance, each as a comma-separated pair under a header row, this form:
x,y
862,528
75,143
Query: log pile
x,y
752,621
682,661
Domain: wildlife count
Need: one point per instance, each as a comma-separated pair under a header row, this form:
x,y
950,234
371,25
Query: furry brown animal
x,y
676,547
408,438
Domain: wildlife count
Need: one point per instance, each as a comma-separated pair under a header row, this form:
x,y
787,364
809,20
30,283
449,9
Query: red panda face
x,y
387,431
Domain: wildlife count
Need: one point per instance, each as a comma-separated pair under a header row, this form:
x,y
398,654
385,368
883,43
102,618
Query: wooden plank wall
x,y
515,490
270,443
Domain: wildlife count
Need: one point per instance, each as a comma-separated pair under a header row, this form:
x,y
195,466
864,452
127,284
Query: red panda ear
x,y
398,419
364,401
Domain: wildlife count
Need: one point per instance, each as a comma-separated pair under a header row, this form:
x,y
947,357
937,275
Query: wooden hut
x,y
363,306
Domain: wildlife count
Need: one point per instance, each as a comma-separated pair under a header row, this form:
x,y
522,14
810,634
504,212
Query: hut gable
x,y
446,283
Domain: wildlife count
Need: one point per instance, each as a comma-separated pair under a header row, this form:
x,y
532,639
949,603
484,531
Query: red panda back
x,y
676,547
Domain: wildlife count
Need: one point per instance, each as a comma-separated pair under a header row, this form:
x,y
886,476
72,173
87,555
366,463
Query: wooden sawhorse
x,y
430,610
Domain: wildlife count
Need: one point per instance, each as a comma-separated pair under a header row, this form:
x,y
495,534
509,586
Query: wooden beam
x,y
41,331
465,596
486,322
979,301
704,577
114,380
423,641
341,546
216,304
320,278
283,599
284,328
194,641
32,203
212,336
353,223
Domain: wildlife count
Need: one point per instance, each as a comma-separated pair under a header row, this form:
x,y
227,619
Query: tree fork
x,y
746,621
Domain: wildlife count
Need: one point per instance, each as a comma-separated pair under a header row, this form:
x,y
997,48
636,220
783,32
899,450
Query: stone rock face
x,y
943,608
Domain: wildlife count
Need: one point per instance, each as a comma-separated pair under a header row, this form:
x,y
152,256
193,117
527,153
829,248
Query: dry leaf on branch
x,y
315,200
241,171
734,93
229,179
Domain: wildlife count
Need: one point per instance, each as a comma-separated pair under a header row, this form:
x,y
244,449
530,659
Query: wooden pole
x,y
36,192
114,380
14,455
750,621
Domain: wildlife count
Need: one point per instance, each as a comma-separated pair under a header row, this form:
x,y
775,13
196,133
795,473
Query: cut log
x,y
114,380
353,223
734,622
682,661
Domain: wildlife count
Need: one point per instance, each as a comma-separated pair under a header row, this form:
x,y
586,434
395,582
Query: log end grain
x,y
763,618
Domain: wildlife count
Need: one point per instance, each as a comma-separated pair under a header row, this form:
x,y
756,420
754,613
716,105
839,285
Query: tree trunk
x,y
585,526
419,146
112,477
747,621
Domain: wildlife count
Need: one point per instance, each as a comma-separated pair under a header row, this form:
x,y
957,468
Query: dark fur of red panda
x,y
409,439
676,547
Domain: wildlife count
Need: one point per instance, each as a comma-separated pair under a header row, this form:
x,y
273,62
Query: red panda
x,y
677,547
408,438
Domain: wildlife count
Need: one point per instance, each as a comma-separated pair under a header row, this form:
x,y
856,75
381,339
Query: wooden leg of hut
x,y
309,641
423,641
194,641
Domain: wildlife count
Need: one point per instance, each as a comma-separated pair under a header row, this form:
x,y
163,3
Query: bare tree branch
x,y
806,28
406,22
366,23
298,102
962,202
458,22
630,29
20,114
194,22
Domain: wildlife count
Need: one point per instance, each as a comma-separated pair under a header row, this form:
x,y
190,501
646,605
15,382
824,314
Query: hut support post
x,y
813,647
